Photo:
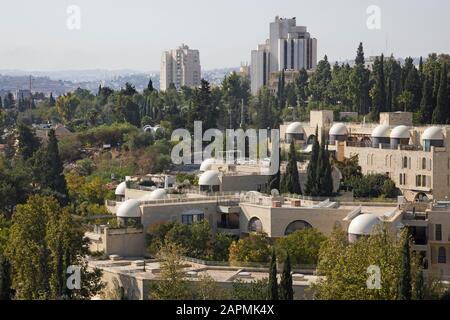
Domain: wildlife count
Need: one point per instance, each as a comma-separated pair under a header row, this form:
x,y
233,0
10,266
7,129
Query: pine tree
x,y
311,179
441,113
273,282
291,182
426,105
286,290
405,281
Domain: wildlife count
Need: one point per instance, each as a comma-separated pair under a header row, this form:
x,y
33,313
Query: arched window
x,y
405,163
295,226
255,225
442,255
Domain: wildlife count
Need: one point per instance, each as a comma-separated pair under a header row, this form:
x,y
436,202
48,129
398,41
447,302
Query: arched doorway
x,y
421,197
255,225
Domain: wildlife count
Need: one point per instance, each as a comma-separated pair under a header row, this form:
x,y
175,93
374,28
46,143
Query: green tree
x,y
320,80
426,105
344,266
254,290
273,280
173,284
324,179
406,98
49,168
302,246
301,86
405,289
254,248
28,143
378,91
286,290
290,182
67,105
51,240
359,84
311,178
441,114
6,292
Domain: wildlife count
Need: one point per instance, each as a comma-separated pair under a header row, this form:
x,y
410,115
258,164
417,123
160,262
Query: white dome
x,y
120,189
339,129
381,131
433,133
363,224
294,128
158,194
400,132
209,178
206,164
129,209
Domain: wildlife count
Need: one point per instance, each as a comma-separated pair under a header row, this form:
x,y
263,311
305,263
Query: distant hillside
x,y
60,82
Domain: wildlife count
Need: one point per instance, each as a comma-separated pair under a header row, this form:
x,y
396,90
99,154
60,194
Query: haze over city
x,y
132,34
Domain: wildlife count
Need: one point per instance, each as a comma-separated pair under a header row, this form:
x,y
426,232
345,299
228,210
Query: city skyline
x,y
132,35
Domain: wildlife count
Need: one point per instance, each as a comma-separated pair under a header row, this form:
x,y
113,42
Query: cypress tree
x,y
28,142
311,179
378,91
52,101
286,290
436,84
291,182
420,286
405,281
441,113
5,279
360,55
273,282
426,105
150,85
49,168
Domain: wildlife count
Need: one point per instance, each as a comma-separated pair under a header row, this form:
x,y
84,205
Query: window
x,y
442,255
424,163
189,219
438,232
402,179
405,163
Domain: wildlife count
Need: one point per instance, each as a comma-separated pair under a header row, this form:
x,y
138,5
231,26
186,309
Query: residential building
x,y
181,67
289,47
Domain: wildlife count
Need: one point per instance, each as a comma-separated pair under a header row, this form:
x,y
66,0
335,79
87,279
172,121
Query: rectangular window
x,y
438,232
187,219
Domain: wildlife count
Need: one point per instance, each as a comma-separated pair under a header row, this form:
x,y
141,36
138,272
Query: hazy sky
x,y
131,34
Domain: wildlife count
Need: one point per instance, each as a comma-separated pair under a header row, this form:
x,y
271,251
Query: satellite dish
x,y
275,193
